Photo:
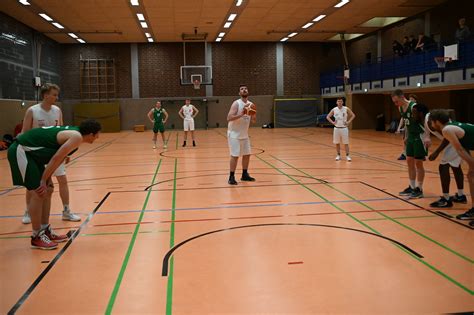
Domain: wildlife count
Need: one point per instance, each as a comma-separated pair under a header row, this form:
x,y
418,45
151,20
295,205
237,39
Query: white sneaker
x,y
69,216
26,218
338,157
165,146
348,158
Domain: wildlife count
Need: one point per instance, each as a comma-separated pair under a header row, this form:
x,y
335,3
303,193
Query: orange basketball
x,y
251,109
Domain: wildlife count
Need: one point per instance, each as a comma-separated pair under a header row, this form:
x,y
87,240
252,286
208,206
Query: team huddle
x,y
44,146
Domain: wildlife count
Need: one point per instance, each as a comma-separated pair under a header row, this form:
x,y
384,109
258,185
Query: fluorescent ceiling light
x,y
239,3
218,39
284,39
227,24
144,25
150,40
341,4
221,34
140,17
307,25
72,35
147,34
382,21
346,36
319,18
45,16
232,17
81,41
292,34
58,25
24,2
134,2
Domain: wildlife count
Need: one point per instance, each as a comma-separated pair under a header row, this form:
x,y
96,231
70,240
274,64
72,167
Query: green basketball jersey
x,y
414,128
158,115
42,143
468,140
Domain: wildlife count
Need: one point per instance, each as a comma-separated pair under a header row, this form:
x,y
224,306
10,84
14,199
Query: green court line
x,y
169,287
118,282
369,227
384,215
402,218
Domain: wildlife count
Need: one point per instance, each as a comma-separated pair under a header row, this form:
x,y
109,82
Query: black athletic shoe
x,y
407,192
442,203
459,199
468,215
194,144
417,193
402,157
247,178
232,180
184,143
471,223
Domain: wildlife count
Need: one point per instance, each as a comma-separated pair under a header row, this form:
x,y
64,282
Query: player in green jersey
x,y
28,156
158,116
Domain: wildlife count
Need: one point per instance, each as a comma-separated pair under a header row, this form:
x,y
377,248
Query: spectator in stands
x,y
462,33
406,45
397,48
413,43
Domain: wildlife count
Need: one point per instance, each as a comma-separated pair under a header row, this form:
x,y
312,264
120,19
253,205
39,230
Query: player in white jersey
x,y
341,122
450,159
46,114
188,112
238,136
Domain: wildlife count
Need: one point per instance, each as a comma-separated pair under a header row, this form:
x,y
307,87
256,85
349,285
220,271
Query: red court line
x,y
262,201
295,263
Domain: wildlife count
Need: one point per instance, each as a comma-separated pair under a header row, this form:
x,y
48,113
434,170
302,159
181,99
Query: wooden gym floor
x,y
162,232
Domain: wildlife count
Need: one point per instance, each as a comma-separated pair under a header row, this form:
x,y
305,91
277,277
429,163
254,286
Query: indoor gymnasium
x,y
236,157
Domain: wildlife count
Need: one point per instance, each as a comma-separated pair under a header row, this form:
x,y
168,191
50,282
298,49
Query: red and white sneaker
x,y
53,236
42,241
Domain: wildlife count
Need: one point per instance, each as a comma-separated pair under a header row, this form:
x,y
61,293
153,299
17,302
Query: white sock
x,y
460,192
44,226
446,196
419,185
412,183
35,233
66,208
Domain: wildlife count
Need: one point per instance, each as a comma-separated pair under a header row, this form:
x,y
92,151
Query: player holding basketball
x,y
461,137
416,141
46,114
341,130
28,156
239,117
188,112
156,117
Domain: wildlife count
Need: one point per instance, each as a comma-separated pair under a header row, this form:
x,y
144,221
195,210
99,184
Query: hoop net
x,y
441,61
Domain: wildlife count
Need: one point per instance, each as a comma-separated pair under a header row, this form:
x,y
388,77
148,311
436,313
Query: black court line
x,y
53,262
206,175
164,270
441,215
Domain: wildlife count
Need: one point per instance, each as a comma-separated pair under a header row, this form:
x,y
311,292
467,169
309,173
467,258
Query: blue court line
x,y
228,207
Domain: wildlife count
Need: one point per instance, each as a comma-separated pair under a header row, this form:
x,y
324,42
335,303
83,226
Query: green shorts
x,y
26,171
158,127
415,147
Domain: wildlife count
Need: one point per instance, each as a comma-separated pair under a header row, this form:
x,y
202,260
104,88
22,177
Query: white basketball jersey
x,y
188,111
340,116
239,128
42,118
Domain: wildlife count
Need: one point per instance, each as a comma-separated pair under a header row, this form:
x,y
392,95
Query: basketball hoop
x,y
197,84
441,61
